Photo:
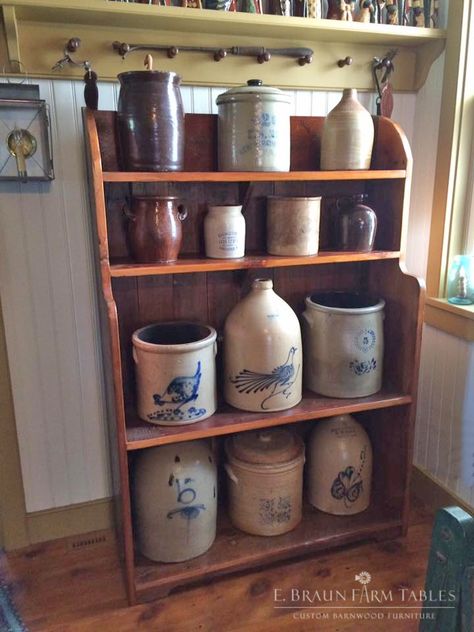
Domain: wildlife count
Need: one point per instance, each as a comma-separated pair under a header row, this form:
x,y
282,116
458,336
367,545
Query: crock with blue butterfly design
x,y
339,469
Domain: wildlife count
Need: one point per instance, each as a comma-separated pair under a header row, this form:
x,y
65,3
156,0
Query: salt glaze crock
x,y
348,135
343,344
339,470
265,481
293,225
262,352
175,494
175,372
253,128
150,118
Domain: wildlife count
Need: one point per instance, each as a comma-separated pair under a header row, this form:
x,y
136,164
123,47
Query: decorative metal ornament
x,y
25,137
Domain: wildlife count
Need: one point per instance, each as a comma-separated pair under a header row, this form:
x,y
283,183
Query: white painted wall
x,y
49,302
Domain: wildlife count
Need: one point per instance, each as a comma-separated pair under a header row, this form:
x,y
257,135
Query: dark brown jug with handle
x,y
356,224
154,228
150,121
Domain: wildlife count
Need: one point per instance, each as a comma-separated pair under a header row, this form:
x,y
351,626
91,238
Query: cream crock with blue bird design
x,y
175,372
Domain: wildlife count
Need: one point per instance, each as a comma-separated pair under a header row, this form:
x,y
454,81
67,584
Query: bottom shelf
x,y
234,550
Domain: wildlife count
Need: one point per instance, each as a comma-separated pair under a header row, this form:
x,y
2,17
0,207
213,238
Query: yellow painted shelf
x,y
33,26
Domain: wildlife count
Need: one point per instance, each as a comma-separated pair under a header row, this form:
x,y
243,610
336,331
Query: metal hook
x,y
384,64
71,46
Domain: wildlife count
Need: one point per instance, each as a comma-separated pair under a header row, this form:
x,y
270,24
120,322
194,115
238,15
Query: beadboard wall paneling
x,y
444,444
50,304
50,312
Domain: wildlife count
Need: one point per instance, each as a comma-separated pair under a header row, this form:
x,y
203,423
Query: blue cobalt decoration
x,y
186,496
180,391
278,382
347,486
365,340
362,367
275,510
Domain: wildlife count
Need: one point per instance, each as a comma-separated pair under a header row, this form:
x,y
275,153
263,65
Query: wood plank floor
x,y
60,586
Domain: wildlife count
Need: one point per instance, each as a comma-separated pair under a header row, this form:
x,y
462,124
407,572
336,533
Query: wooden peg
x,y
347,61
148,63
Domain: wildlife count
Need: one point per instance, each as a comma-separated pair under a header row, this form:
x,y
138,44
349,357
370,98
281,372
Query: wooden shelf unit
x,y
199,289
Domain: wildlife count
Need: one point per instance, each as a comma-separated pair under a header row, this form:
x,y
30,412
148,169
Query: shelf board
x,y
234,550
124,268
228,420
252,176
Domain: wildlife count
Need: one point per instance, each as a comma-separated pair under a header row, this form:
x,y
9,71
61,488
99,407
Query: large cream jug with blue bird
x,y
175,371
263,362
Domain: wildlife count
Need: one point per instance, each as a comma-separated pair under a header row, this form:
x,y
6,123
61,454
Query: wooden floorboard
x,y
57,587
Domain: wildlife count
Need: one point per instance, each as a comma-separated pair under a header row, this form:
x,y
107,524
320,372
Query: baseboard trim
x,y
63,522
433,493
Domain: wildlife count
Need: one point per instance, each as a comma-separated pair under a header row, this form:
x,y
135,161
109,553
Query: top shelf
x,y
46,25
252,176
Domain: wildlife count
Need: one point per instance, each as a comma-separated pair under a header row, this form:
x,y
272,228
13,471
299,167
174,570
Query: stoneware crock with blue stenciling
x,y
263,359
265,480
253,129
175,372
343,344
175,500
339,468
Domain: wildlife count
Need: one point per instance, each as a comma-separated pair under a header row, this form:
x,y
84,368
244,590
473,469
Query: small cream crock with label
x,y
224,232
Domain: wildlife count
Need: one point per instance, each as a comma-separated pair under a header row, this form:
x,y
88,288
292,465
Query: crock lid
x,y
265,447
253,90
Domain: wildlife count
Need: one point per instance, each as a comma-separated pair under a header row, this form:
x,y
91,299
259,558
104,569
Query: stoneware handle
x,y
345,199
307,320
182,212
230,474
128,214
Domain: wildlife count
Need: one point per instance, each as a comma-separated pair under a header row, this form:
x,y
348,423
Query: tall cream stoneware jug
x,y
348,135
262,352
339,471
175,498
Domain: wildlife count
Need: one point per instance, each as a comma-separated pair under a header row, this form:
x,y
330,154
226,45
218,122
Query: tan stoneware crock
x,y
175,494
265,481
339,469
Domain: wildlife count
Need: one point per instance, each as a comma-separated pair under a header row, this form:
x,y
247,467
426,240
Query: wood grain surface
x,y
58,588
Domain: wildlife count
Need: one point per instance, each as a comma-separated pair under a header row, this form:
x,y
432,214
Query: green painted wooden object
x,y
467,597
452,551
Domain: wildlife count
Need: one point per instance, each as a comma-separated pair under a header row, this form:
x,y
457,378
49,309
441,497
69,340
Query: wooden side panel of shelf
x,y
109,311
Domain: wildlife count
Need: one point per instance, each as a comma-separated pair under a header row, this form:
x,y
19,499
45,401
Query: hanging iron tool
x,y
382,69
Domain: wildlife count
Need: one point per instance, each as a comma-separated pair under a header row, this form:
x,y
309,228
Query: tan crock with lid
x,y
265,487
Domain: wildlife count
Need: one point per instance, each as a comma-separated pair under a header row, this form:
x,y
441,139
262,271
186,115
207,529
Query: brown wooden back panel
x,y
390,147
